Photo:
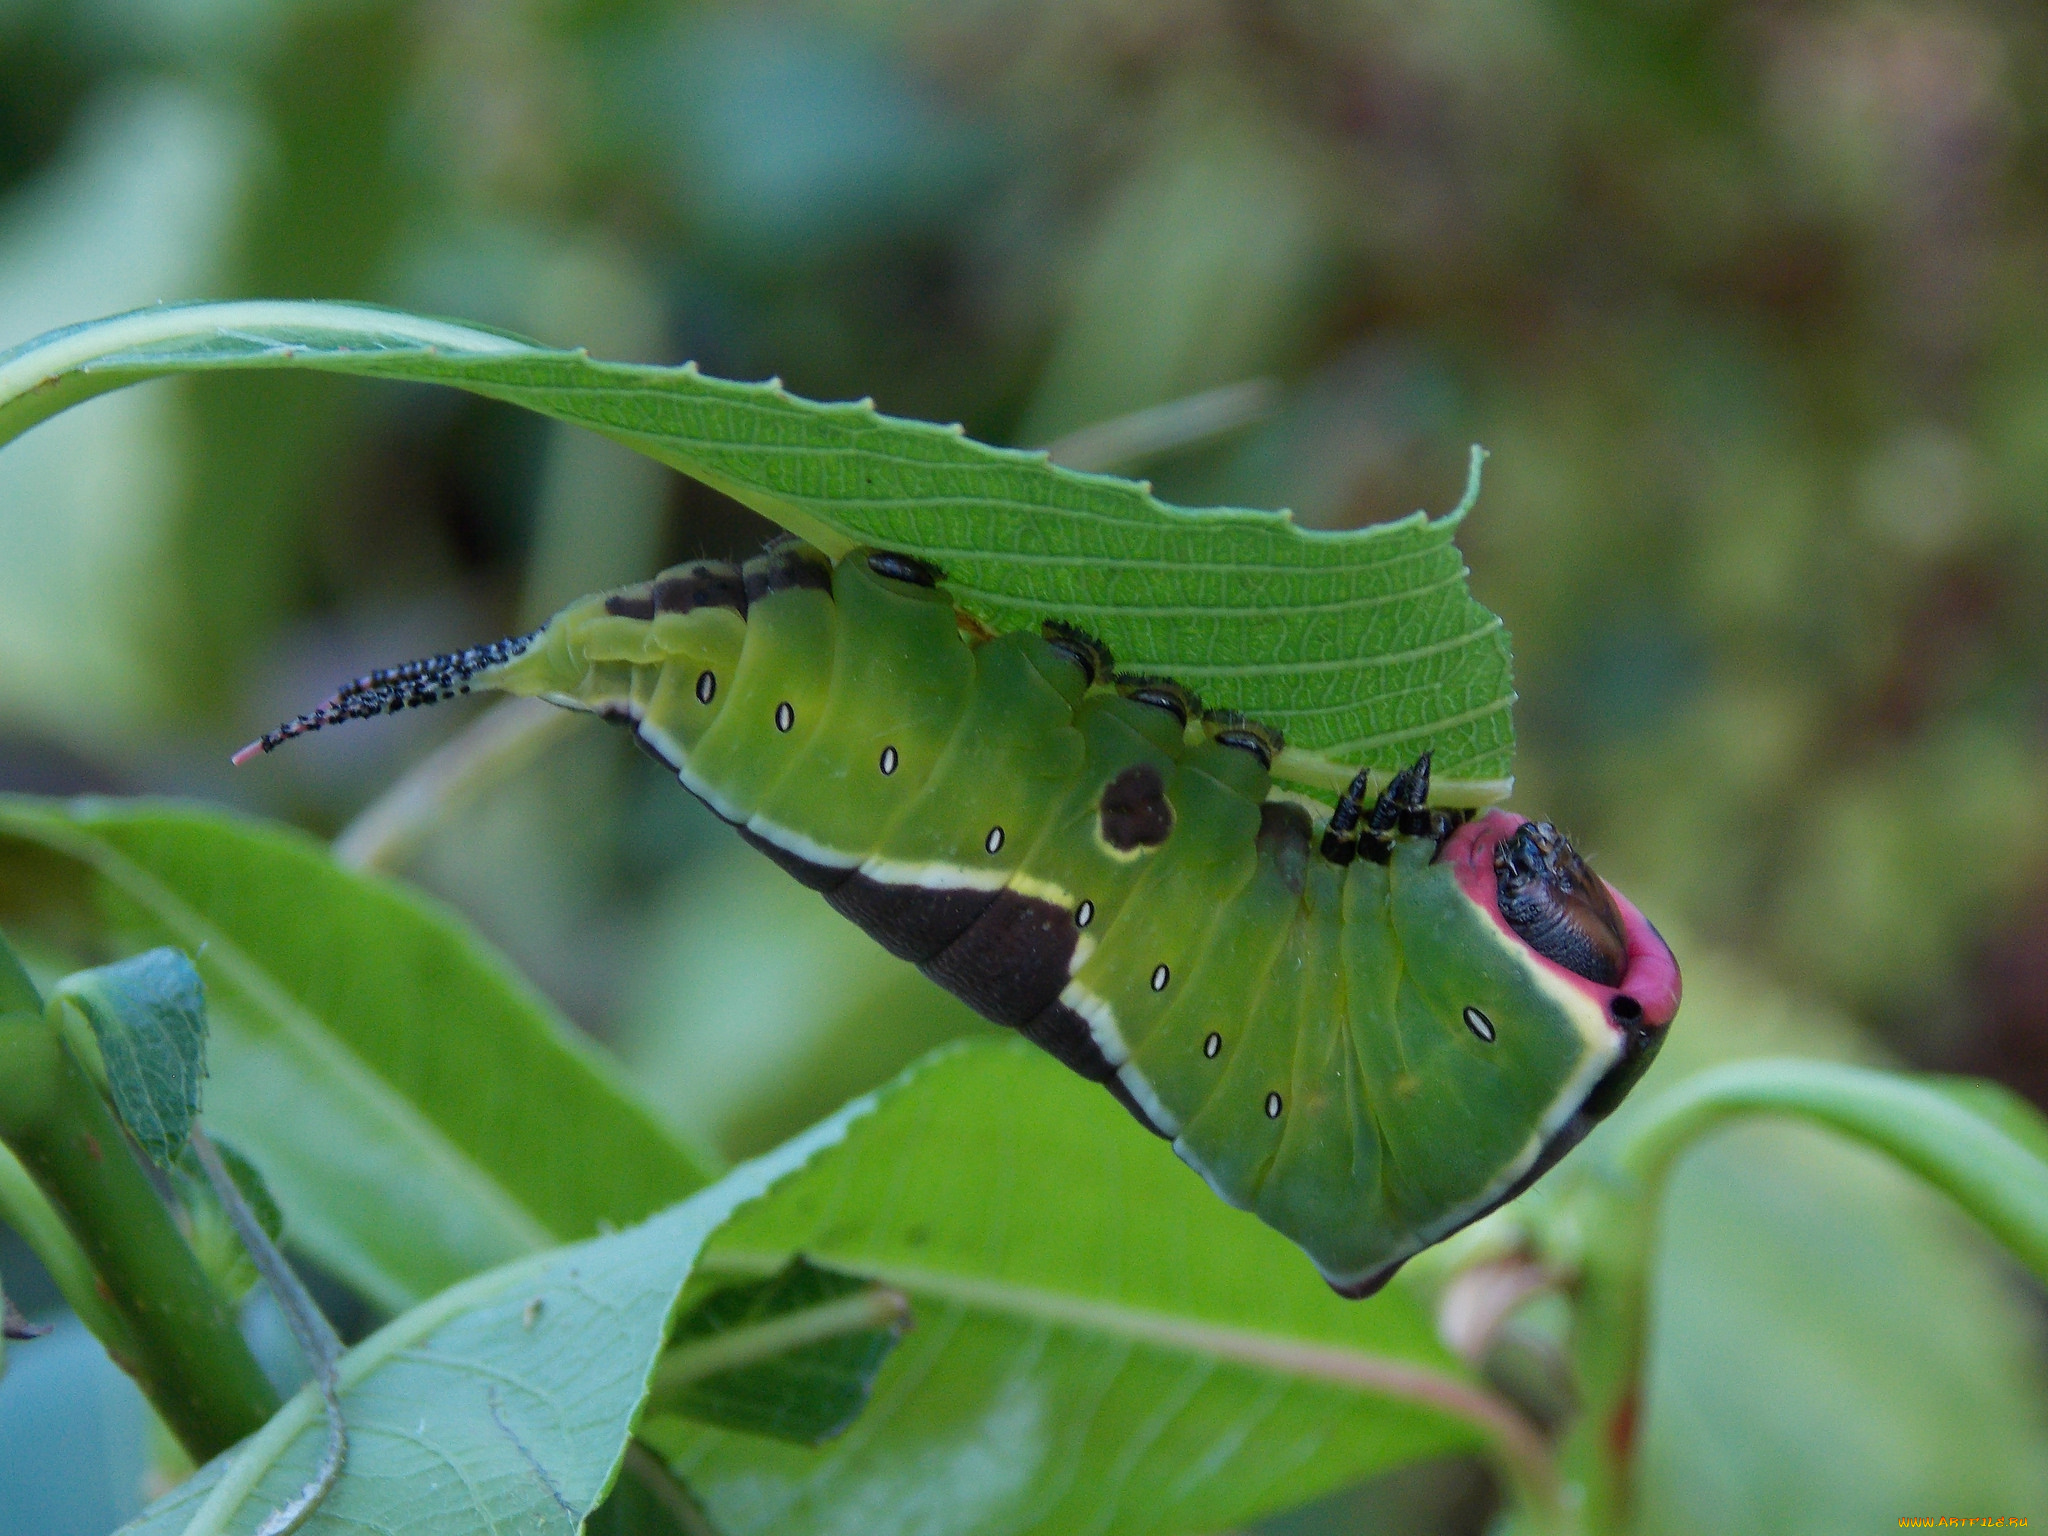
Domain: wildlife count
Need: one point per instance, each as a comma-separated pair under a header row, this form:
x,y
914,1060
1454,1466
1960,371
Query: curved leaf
x,y
502,1404
419,1111
1364,646
1099,1344
148,1016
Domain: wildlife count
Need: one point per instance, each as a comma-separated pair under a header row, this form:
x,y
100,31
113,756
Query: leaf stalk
x,y
309,1325
1612,1221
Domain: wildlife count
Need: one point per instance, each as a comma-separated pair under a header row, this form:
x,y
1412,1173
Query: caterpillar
x,y
1369,1032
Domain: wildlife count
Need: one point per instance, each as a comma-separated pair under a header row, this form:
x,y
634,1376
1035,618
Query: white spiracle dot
x,y
785,715
888,761
1159,979
994,842
707,687
1084,914
1212,1045
1272,1106
1479,1024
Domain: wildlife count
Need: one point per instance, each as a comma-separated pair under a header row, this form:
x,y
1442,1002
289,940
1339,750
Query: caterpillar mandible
x,y
1369,1034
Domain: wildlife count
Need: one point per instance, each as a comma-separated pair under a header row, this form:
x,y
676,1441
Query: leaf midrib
x,y
1304,1359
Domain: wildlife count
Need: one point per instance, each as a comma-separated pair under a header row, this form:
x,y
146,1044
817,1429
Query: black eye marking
x,y
994,843
1212,1045
1479,1024
1626,1008
785,716
899,567
1159,979
1231,728
1245,741
1080,647
888,761
707,687
1161,693
1084,914
1272,1106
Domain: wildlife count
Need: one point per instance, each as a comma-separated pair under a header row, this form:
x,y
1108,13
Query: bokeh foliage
x,y
1746,299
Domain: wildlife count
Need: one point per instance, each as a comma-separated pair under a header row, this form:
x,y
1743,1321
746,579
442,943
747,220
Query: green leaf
x,y
502,1404
648,1501
1831,1347
1363,646
1830,1341
17,993
148,1015
793,1356
1100,1343
420,1112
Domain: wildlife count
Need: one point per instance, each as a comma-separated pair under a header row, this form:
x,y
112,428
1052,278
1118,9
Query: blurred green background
x,y
1749,301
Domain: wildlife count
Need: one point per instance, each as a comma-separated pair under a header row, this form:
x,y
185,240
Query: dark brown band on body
x,y
1011,963
635,603
1123,1096
707,584
784,568
912,922
819,877
1064,1035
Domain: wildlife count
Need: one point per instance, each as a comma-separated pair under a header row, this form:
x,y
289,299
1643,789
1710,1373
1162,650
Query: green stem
x,y
1608,1337
1959,1152
177,1337
24,1208
1966,1156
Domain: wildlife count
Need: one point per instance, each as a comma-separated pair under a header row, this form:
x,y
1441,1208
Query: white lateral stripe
x,y
1570,1096
803,847
933,877
724,808
670,749
1139,1089
1186,1154
1101,1020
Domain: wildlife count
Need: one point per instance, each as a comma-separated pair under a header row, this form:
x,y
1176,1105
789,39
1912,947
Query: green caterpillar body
x,y
1367,1051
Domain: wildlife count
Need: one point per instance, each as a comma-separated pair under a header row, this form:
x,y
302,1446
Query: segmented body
x,y
1361,1050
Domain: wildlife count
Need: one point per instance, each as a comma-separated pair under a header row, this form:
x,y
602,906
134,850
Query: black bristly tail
x,y
390,689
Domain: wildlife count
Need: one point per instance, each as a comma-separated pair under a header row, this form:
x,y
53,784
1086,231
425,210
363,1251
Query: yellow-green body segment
x,y
1362,1053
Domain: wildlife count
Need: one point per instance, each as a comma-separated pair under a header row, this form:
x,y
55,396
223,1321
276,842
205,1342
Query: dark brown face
x,y
1558,905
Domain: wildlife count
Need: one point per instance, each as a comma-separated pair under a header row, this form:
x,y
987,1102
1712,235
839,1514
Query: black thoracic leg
x,y
1340,837
1403,807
